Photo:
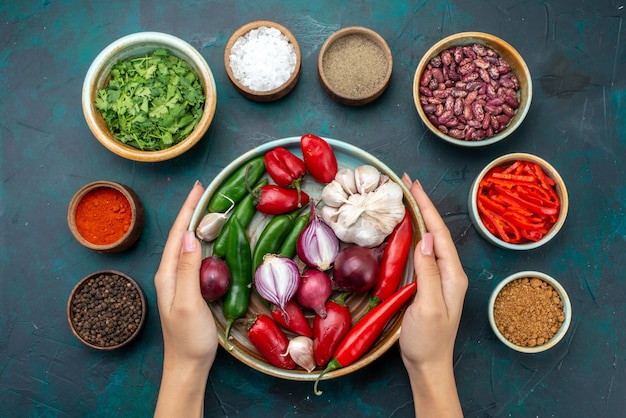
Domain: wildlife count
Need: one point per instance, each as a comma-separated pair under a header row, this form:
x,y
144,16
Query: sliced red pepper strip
x,y
513,168
504,230
514,177
526,204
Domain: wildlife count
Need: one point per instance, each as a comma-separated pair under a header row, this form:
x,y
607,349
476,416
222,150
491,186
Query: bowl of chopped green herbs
x,y
149,96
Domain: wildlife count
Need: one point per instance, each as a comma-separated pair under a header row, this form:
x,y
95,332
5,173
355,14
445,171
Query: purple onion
x,y
314,290
317,244
276,280
356,269
214,278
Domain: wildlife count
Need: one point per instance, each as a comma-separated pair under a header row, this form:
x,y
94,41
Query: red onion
x,y
317,244
276,280
356,269
314,290
214,278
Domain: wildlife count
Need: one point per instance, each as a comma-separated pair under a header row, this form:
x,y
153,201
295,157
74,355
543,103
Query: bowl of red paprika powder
x,y
106,216
518,202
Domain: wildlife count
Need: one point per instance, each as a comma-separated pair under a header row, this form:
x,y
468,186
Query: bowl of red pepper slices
x,y
239,345
518,201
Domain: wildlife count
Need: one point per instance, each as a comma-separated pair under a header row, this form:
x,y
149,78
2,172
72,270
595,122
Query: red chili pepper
x,y
319,158
272,199
284,168
518,203
394,260
365,332
329,331
271,342
297,321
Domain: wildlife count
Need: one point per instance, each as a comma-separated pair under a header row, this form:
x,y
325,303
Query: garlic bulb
x,y
368,216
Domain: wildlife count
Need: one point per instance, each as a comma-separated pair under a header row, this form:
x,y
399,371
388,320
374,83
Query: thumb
x,y
188,270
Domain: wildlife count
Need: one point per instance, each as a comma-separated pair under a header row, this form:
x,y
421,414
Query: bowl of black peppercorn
x,y
106,310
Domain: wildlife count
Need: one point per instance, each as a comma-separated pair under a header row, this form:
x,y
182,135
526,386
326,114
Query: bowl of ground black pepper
x,y
354,65
263,61
530,311
106,310
106,216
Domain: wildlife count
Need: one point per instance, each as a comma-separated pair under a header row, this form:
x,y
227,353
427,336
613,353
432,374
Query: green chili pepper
x,y
288,247
239,261
272,236
244,211
235,186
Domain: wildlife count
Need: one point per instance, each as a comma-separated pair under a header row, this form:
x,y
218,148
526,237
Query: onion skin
x,y
276,280
356,269
314,290
214,278
317,245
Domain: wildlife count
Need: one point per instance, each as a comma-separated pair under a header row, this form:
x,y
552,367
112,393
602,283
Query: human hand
x,y
431,322
189,332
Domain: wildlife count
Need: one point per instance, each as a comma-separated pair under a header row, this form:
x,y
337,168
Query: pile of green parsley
x,y
152,102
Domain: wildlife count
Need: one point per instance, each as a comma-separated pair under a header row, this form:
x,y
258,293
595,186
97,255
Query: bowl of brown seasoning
x,y
354,65
106,216
530,311
106,310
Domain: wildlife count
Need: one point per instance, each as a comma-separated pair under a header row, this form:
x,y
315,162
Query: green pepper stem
x,y
374,301
229,325
253,192
333,364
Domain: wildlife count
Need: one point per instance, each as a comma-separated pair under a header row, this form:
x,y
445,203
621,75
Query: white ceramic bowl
x,y
567,311
508,53
239,346
134,45
506,160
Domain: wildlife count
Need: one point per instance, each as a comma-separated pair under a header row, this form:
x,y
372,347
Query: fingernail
x,y
197,183
427,244
417,183
189,242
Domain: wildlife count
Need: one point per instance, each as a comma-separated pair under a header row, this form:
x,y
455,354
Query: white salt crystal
x,y
263,59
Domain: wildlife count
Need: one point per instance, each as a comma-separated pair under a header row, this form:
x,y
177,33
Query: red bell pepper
x,y
319,158
284,168
297,321
365,332
329,331
271,341
395,255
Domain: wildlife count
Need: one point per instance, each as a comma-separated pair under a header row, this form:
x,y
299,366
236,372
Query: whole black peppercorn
x,y
106,311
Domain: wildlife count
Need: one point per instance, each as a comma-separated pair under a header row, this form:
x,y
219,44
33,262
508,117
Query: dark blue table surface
x,y
576,55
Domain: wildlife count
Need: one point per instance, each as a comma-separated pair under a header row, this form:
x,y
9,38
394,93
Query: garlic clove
x,y
334,194
301,351
345,177
366,178
210,226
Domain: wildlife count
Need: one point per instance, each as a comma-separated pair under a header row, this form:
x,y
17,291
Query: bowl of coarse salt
x,y
263,61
